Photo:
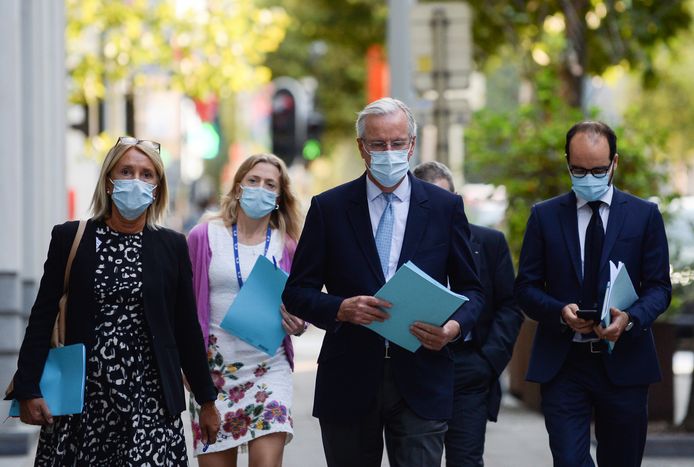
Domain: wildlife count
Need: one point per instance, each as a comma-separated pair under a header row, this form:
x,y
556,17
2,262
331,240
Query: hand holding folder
x,y
619,294
255,316
62,381
415,296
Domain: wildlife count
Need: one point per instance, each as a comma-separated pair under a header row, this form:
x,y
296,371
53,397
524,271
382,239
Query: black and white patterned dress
x,y
124,421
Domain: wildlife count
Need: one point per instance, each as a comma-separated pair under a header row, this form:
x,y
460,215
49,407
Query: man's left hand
x,y
616,327
435,337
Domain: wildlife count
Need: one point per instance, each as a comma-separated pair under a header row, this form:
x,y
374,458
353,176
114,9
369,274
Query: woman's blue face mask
x,y
132,197
257,202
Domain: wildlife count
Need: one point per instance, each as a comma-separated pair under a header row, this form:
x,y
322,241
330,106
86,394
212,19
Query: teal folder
x,y
255,316
619,294
62,381
415,296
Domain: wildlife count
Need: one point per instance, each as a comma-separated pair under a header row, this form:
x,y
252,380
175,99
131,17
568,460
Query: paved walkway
x,y
518,440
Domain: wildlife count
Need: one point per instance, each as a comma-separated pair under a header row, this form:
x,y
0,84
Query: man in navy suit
x,y
564,267
355,237
484,353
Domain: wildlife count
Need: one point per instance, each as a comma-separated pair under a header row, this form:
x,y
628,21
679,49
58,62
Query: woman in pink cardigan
x,y
258,216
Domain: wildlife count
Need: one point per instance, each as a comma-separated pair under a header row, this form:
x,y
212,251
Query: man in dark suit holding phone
x,y
564,268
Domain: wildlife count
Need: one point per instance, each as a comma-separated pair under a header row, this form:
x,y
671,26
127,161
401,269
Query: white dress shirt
x,y
584,213
401,208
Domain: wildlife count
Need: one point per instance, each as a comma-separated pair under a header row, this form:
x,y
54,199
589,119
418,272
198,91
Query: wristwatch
x,y
630,324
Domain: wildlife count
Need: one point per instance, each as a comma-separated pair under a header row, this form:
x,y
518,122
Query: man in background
x,y
484,352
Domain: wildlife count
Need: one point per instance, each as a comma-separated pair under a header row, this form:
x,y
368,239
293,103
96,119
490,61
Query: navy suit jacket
x,y
549,277
495,333
337,250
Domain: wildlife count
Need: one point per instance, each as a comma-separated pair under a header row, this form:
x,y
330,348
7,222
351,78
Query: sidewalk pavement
x,y
519,438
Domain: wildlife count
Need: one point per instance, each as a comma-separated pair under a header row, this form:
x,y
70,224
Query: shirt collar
x,y
606,198
402,192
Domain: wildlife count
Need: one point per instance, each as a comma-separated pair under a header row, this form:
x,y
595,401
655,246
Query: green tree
x,y
328,39
216,50
578,38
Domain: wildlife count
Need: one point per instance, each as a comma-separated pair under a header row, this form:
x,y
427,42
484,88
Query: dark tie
x,y
595,237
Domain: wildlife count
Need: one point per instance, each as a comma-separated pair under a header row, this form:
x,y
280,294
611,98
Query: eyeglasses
x,y
133,141
397,145
597,172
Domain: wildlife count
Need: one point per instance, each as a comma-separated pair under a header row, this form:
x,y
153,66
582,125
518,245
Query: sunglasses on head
x,y
130,140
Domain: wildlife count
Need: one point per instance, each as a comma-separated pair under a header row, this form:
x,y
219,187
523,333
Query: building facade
x,y
33,194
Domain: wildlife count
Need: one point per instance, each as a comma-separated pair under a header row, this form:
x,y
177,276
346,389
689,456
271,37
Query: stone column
x,y
32,180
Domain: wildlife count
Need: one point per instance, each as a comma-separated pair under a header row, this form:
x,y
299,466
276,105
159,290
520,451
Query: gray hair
x,y
433,171
386,106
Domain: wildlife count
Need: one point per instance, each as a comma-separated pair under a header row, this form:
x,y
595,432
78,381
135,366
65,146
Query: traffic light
x,y
285,142
295,123
314,130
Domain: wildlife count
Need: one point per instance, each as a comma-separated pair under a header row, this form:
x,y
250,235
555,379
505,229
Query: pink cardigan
x,y
200,257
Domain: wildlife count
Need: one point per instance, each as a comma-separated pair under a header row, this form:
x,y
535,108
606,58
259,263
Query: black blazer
x,y
337,250
169,306
496,330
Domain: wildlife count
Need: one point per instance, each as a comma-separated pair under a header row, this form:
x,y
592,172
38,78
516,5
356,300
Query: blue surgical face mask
x,y
132,197
257,202
389,167
590,187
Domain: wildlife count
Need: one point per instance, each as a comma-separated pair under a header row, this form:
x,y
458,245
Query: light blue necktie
x,y
384,233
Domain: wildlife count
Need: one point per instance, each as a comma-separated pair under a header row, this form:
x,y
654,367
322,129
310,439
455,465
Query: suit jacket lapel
x,y
568,218
358,215
476,246
615,222
417,219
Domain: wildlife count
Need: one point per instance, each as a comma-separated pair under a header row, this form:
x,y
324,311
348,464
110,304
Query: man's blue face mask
x,y
591,187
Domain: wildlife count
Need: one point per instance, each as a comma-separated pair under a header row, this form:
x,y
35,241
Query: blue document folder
x,y
619,294
415,297
62,381
255,314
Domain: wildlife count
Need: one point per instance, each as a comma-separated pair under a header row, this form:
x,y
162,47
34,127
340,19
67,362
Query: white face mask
x,y
389,167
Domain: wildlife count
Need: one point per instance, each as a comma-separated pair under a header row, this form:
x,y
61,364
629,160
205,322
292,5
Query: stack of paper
x,y
255,314
62,381
415,296
619,294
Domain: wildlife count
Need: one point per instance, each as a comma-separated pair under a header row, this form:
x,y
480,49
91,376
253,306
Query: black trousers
x,y
411,441
467,429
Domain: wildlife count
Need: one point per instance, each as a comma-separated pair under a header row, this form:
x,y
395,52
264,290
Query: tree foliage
x,y
216,49
578,37
328,39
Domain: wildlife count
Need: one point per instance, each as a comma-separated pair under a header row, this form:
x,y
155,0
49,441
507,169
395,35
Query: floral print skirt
x,y
255,394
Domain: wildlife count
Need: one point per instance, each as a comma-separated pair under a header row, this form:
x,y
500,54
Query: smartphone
x,y
588,315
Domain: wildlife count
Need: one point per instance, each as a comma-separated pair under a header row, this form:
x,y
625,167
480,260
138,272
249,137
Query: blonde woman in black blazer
x,y
131,303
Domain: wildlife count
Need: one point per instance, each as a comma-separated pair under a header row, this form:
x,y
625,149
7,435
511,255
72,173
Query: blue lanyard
x,y
235,236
